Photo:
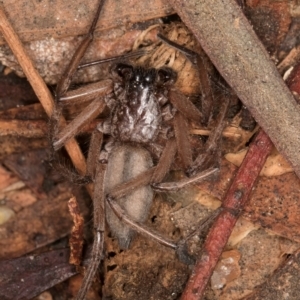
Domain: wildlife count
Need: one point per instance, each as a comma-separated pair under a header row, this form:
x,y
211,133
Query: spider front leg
x,y
210,155
67,76
60,133
207,98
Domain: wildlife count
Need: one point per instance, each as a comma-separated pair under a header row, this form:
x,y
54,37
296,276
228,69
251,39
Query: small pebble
x,y
5,214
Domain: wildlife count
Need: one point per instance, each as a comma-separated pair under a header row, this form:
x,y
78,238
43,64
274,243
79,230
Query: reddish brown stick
x,y
235,200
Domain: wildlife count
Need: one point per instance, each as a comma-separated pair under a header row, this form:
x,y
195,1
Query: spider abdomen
x,y
126,162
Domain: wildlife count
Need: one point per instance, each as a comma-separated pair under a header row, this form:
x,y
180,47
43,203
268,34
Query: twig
x,y
235,200
230,42
38,85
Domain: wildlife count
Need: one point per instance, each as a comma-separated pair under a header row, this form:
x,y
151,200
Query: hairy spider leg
x,y
210,155
207,98
67,76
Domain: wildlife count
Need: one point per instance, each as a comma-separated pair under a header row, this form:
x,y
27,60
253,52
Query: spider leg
x,y
127,187
174,186
66,79
93,154
138,227
211,153
179,247
185,106
182,140
86,93
99,228
59,138
206,91
165,161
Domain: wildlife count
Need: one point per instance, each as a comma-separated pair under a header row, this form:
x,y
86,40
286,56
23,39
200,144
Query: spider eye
x,y
124,70
166,75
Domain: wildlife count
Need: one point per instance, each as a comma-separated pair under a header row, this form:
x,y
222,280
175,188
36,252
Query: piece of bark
x,y
230,42
73,18
28,276
38,225
274,205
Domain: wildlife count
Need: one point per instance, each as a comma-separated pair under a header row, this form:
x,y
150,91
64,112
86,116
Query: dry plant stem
x,y
230,42
38,85
233,204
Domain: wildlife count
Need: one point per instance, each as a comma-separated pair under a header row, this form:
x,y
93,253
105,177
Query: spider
x,y
148,122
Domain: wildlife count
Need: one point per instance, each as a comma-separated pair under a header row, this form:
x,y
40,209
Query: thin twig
x,y
235,200
38,85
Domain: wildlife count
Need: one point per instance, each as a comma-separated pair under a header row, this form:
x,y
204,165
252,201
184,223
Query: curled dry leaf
x,y
241,229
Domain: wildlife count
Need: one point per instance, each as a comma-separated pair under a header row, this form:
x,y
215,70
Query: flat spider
x,y
148,123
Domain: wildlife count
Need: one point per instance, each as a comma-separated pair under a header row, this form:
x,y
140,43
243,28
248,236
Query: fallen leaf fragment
x,y
226,270
28,276
275,165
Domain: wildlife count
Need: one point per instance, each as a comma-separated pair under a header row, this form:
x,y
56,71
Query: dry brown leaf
x,y
227,269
